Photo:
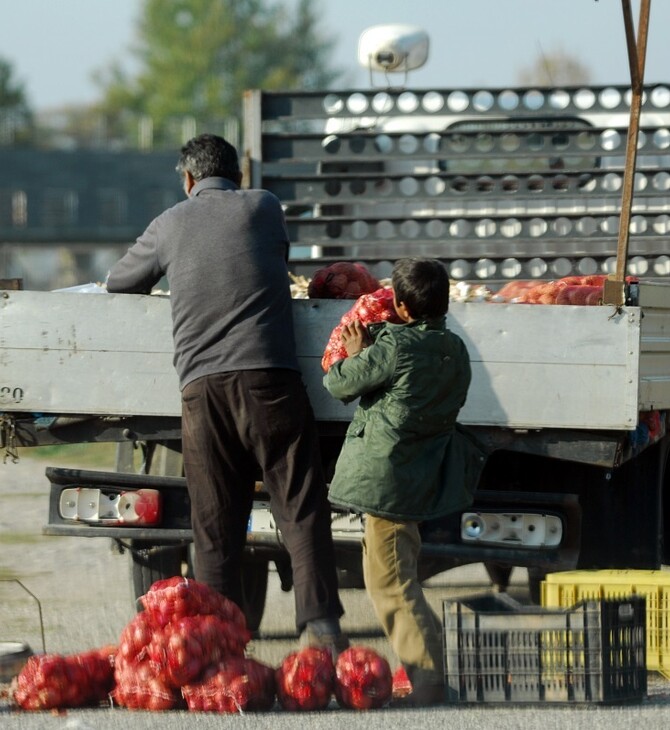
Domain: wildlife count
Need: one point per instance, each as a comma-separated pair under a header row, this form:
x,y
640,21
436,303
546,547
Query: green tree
x,y
197,57
555,68
16,118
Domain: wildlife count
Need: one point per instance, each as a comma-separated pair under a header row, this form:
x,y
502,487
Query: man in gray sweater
x,y
245,411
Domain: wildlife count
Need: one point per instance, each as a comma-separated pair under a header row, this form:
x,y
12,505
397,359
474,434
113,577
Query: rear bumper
x,y
347,529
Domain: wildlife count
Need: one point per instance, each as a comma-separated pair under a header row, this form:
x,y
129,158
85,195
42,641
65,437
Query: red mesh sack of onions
x,y
341,280
186,627
544,293
262,683
369,308
576,290
306,680
581,295
363,679
222,689
186,646
139,686
234,685
511,291
135,638
176,597
52,681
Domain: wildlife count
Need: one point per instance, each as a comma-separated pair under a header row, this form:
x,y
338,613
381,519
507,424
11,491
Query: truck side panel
x,y
533,366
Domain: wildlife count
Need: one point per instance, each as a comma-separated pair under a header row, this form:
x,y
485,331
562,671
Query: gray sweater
x,y
224,251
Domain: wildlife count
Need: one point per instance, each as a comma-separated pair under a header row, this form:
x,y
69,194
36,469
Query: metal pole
x,y
252,142
614,289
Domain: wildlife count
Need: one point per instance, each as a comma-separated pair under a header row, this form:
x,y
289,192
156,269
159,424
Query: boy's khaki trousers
x,y
390,555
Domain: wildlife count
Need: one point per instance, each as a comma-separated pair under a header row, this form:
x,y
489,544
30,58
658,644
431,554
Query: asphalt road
x,y
82,591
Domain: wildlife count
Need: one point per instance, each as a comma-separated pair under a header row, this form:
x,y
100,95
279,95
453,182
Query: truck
x,y
570,403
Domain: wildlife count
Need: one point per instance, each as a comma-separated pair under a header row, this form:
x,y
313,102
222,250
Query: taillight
x,y
110,507
522,529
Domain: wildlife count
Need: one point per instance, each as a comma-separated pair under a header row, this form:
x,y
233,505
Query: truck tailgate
x,y
534,366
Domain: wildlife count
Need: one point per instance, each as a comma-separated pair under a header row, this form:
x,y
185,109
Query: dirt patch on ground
x,y
80,587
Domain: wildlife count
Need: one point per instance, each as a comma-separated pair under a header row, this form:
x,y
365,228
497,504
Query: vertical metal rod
x,y
614,290
39,607
252,142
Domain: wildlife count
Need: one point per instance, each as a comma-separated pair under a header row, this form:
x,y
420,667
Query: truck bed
x,y
534,366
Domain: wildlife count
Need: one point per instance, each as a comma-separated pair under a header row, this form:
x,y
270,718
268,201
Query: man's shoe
x,y
336,643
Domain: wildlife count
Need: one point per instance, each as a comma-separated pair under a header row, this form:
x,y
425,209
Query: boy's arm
x,y
370,369
355,338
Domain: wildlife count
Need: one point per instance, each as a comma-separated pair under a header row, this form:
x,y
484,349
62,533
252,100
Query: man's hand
x,y
354,337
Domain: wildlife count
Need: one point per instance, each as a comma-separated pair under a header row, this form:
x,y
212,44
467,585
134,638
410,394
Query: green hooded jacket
x,y
403,457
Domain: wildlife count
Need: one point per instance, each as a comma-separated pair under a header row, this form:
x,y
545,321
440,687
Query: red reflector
x,y
140,508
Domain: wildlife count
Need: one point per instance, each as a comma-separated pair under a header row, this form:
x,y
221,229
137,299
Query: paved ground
x,y
85,600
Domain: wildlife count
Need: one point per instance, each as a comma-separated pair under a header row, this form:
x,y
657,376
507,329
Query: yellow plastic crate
x,y
568,588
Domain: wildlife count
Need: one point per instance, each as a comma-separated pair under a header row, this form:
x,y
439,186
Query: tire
x,y
499,575
500,579
254,587
348,578
149,563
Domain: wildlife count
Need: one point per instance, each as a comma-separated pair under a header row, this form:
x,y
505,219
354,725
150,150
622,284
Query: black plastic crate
x,y
497,650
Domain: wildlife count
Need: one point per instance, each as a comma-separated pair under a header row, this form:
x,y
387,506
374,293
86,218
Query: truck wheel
x,y
254,587
499,574
150,563
348,578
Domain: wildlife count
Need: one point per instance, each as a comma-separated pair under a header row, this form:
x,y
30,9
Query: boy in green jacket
x,y
402,461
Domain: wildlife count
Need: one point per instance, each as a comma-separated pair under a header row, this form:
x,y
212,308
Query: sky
x,y
55,46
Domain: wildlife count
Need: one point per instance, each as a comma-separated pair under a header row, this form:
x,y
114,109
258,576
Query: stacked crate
x,y
499,651
566,589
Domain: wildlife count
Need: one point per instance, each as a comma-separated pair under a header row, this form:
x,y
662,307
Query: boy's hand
x,y
354,337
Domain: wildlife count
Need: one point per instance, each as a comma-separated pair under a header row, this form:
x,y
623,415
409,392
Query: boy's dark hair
x,y
209,155
423,286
